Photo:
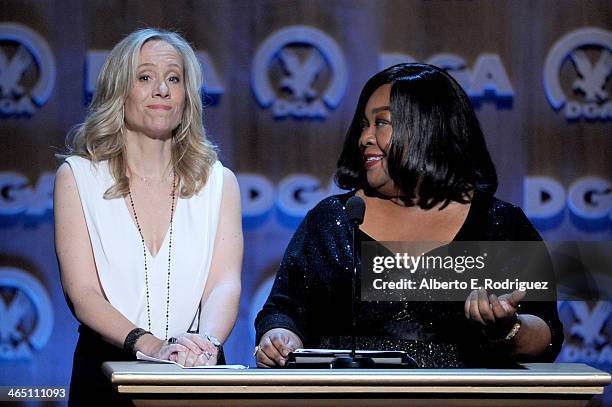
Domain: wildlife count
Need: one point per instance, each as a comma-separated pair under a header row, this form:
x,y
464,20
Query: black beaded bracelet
x,y
131,338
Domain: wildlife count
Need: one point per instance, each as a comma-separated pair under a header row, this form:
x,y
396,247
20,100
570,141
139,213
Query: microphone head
x,y
355,210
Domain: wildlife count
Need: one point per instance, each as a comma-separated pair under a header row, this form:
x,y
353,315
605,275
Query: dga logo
x,y
486,81
27,70
308,71
18,197
26,316
576,74
590,329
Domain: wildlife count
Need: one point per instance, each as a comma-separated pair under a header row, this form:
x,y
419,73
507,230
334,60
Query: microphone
x,y
355,211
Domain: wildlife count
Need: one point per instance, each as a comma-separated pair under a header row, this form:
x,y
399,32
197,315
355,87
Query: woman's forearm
x,y
220,310
533,337
94,311
97,313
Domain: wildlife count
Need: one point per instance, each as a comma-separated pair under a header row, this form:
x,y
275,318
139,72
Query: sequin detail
x,y
311,295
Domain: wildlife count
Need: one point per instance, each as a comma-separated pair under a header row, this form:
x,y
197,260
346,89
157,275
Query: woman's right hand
x,y
157,348
274,347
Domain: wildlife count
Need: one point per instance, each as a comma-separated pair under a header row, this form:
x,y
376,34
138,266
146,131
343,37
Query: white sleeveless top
x,y
118,252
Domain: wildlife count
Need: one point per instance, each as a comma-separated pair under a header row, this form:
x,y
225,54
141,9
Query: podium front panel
x,y
565,384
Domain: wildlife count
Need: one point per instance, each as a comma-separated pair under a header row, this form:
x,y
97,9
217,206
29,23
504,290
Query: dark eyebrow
x,y
380,109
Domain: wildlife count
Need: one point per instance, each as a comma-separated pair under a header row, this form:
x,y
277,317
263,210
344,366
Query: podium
x,y
537,384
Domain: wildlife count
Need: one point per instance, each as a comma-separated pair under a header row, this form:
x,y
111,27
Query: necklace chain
x,y
144,248
150,180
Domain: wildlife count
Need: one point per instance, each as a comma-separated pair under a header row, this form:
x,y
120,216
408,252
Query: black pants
x,y
89,385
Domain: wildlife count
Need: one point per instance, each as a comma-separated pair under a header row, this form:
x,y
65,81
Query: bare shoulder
x,y
69,217
64,178
230,183
229,176
230,195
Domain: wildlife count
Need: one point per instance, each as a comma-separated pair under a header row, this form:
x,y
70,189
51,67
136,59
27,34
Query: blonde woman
x,y
147,220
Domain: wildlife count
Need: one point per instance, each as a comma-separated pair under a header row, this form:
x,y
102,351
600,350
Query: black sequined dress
x,y
311,295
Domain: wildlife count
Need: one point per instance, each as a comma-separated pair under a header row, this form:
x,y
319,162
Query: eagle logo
x,y
593,78
301,76
590,322
11,72
11,317
588,51
31,51
26,314
296,90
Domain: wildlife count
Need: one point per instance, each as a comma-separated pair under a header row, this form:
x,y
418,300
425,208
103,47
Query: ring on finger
x,y
257,348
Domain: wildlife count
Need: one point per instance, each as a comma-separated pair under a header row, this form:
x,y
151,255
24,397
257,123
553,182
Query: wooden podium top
x,y
541,380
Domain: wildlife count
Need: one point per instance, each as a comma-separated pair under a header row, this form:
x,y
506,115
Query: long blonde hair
x,y
101,136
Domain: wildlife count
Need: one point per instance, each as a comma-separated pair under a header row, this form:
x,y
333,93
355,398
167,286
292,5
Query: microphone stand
x,y
353,361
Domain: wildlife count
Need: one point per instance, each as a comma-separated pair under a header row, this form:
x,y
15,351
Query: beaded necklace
x,y
144,248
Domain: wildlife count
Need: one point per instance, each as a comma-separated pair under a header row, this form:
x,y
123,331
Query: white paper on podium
x,y
142,356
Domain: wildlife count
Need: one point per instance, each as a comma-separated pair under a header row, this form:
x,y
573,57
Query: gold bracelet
x,y
513,331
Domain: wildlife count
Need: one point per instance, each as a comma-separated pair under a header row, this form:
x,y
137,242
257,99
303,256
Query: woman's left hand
x,y
204,355
495,314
